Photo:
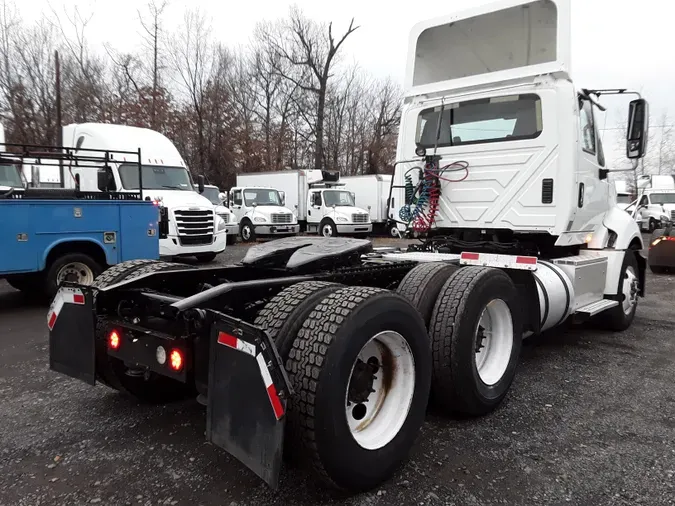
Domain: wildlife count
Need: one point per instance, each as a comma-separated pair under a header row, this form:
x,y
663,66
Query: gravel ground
x,y
590,420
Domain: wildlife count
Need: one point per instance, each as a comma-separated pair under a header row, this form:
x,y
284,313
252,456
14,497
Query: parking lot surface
x,y
590,420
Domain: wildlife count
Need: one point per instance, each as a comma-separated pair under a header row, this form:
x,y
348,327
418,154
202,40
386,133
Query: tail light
x,y
114,340
176,360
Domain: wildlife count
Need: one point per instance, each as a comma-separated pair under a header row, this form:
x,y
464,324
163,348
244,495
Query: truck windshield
x,y
506,118
212,195
10,176
338,198
662,198
155,177
261,197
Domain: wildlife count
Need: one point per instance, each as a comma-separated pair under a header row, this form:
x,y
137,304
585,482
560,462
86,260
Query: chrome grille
x,y
359,218
193,223
282,218
672,215
225,217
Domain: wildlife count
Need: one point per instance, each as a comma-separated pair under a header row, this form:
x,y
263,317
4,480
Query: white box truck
x,y
321,204
194,228
371,192
655,202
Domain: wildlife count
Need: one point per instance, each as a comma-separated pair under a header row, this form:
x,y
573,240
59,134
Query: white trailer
x,y
371,192
319,199
194,228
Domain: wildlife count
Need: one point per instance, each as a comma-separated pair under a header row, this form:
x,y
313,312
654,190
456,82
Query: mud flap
x,y
70,321
248,390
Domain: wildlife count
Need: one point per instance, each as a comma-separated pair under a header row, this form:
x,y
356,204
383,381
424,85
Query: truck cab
x,y
194,227
214,195
260,212
332,211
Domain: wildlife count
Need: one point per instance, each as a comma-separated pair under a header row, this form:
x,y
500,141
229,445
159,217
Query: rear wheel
x,y
423,283
476,336
360,366
74,267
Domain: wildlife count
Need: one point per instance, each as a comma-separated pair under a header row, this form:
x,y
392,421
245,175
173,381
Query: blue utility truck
x,y
51,235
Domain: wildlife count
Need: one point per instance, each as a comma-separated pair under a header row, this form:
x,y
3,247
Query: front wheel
x,y
652,225
620,317
476,337
246,231
360,366
206,257
328,229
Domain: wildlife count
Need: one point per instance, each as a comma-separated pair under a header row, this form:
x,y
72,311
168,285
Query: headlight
x,y
341,219
665,218
260,219
220,224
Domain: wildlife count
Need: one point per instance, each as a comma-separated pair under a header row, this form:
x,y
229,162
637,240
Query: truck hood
x,y
179,198
268,210
349,210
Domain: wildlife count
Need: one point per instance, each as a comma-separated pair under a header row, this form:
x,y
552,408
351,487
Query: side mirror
x,y
222,197
200,183
282,194
353,196
637,133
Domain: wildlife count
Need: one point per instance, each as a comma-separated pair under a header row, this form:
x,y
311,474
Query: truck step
x,y
594,308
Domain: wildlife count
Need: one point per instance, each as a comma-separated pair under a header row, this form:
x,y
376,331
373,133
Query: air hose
x,y
422,201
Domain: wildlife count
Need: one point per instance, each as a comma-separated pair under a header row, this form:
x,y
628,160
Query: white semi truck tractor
x,y
194,228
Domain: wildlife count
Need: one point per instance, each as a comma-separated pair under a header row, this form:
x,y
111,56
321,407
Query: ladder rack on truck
x,y
343,342
51,235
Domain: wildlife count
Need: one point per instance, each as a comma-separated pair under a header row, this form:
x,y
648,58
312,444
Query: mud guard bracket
x,y
248,391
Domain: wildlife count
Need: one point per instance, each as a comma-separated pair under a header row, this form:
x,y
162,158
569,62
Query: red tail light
x,y
114,340
176,360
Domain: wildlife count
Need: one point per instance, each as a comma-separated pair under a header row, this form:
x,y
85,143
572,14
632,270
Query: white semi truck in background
x,y
213,193
655,202
260,210
371,192
194,228
322,205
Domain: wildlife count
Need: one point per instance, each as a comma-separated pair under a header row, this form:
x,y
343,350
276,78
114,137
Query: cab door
x,y
236,203
314,204
592,192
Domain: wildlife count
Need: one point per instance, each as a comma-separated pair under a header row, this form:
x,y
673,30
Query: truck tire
x,y
327,228
651,226
76,267
283,316
246,231
352,421
231,239
620,317
206,257
111,371
27,283
423,283
472,371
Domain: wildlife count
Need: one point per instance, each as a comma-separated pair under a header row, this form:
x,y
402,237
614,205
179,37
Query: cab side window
x,y
587,126
236,197
316,199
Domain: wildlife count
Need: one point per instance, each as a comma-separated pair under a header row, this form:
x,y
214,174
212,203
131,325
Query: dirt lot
x,y
590,420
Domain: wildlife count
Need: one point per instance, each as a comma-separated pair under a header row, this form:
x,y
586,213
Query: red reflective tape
x,y
52,320
227,340
276,402
78,298
526,260
470,256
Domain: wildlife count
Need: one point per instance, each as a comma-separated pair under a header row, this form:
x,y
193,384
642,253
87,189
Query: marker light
x,y
176,360
160,354
114,340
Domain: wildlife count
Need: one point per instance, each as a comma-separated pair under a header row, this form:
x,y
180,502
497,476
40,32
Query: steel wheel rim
x,y
375,422
246,232
76,272
394,231
630,290
494,341
327,230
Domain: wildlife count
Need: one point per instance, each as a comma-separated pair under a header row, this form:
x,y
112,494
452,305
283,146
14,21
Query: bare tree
x,y
152,39
311,49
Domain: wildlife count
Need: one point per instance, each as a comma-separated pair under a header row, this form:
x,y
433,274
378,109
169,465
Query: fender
x,y
110,253
625,228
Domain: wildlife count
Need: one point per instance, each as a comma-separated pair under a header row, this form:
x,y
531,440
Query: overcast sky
x,y
614,44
